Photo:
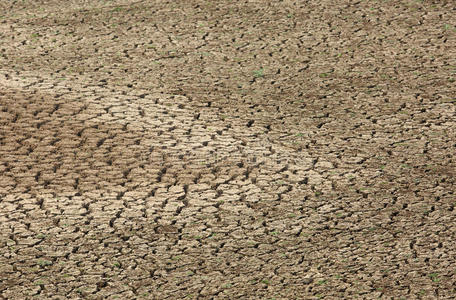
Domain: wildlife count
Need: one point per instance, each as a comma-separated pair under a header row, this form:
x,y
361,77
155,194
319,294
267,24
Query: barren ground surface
x,y
227,149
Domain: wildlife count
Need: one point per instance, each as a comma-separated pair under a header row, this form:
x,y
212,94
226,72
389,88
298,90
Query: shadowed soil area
x,y
247,149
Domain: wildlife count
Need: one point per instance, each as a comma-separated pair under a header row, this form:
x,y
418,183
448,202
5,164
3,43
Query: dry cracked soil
x,y
249,149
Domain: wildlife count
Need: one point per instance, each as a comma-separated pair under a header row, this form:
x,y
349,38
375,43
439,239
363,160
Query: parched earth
x,y
191,149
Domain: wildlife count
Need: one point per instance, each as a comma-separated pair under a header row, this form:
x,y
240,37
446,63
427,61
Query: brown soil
x,y
224,149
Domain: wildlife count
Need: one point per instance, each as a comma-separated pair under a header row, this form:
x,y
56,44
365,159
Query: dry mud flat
x,y
227,149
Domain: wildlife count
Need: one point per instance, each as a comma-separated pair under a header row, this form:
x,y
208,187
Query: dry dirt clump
x,y
246,149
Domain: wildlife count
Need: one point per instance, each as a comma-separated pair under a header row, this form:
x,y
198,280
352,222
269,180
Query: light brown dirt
x,y
227,149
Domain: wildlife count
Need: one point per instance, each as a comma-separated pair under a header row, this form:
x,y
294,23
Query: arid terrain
x,y
248,149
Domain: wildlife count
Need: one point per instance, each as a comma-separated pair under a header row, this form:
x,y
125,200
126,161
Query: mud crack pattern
x,y
227,149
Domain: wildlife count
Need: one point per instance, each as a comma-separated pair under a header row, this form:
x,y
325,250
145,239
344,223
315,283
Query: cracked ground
x,y
227,149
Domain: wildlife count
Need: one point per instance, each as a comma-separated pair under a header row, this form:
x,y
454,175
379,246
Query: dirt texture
x,y
250,149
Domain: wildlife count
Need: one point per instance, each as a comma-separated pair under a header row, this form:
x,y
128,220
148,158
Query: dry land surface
x,y
192,149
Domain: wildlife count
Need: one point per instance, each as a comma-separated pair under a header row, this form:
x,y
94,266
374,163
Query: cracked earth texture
x,y
227,149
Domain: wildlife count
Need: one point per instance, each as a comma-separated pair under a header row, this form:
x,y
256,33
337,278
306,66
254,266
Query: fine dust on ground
x,y
250,149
